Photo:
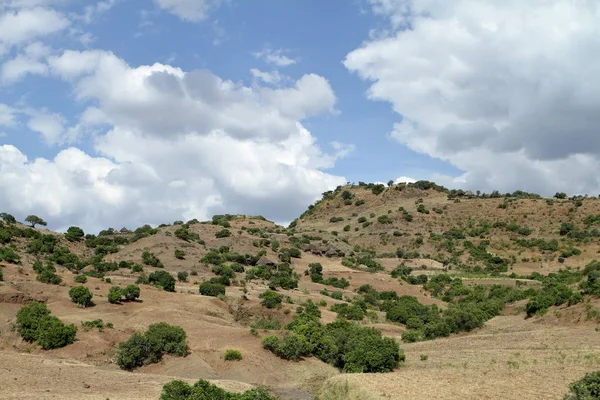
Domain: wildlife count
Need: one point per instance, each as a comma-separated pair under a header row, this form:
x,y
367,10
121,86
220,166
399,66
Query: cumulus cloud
x,y
175,144
505,91
405,179
18,26
266,77
275,57
30,61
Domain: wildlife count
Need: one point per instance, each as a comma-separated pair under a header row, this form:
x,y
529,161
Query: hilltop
x,y
483,293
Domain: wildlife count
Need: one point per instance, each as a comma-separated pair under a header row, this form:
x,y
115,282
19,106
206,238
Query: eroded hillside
x,y
466,285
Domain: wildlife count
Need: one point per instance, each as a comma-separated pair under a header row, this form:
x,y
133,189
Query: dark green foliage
x,y
212,289
74,234
34,323
222,220
182,276
149,347
359,202
80,278
96,323
378,189
184,233
114,295
351,312
333,220
384,219
163,279
552,294
131,292
271,299
9,255
179,254
560,195
362,220
81,296
34,220
267,324
149,258
1,275
232,355
282,276
47,275
203,390
8,218
223,233
343,344
586,388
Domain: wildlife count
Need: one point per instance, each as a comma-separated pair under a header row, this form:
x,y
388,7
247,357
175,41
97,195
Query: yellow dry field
x,y
510,358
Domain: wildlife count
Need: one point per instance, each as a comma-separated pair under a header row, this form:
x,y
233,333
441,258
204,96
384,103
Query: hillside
x,y
488,296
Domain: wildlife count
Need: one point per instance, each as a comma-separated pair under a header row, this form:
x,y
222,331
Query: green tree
x,y
163,279
586,388
80,278
74,234
34,220
131,292
28,318
53,333
114,295
8,218
81,296
179,254
560,195
212,289
182,276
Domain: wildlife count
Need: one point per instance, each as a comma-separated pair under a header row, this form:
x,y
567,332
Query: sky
x,y
126,112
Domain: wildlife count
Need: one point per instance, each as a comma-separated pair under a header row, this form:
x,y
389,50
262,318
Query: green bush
x,y
74,234
182,276
179,254
271,299
131,292
1,275
212,289
81,296
34,323
48,275
80,278
149,347
232,355
204,390
586,388
223,233
149,258
114,295
163,279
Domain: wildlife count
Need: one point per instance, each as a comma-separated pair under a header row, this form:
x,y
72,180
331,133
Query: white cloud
x,y
506,91
275,57
28,62
405,179
188,10
187,144
7,115
272,77
93,11
51,126
23,25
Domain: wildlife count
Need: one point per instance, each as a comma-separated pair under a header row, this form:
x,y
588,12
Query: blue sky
x,y
104,104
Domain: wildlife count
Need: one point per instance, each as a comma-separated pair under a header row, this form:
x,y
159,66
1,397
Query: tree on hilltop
x,y
34,220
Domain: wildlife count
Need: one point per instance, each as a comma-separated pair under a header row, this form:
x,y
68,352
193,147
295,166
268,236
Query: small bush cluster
x,y
162,279
232,355
282,276
150,258
343,344
271,299
117,294
204,390
35,324
149,347
47,273
212,289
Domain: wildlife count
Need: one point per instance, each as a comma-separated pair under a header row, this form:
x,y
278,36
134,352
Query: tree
x,y
164,279
8,218
212,289
28,318
114,295
34,323
74,234
131,292
560,195
34,220
179,254
81,296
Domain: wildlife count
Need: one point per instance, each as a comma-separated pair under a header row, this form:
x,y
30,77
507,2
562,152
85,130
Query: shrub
x,y
163,279
74,234
81,296
80,278
232,355
270,343
212,289
149,258
47,275
149,347
223,233
586,388
179,254
204,390
293,347
184,233
131,292
34,323
182,276
114,294
271,299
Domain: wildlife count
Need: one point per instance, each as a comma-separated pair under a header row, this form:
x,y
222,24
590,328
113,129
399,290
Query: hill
x,y
487,295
